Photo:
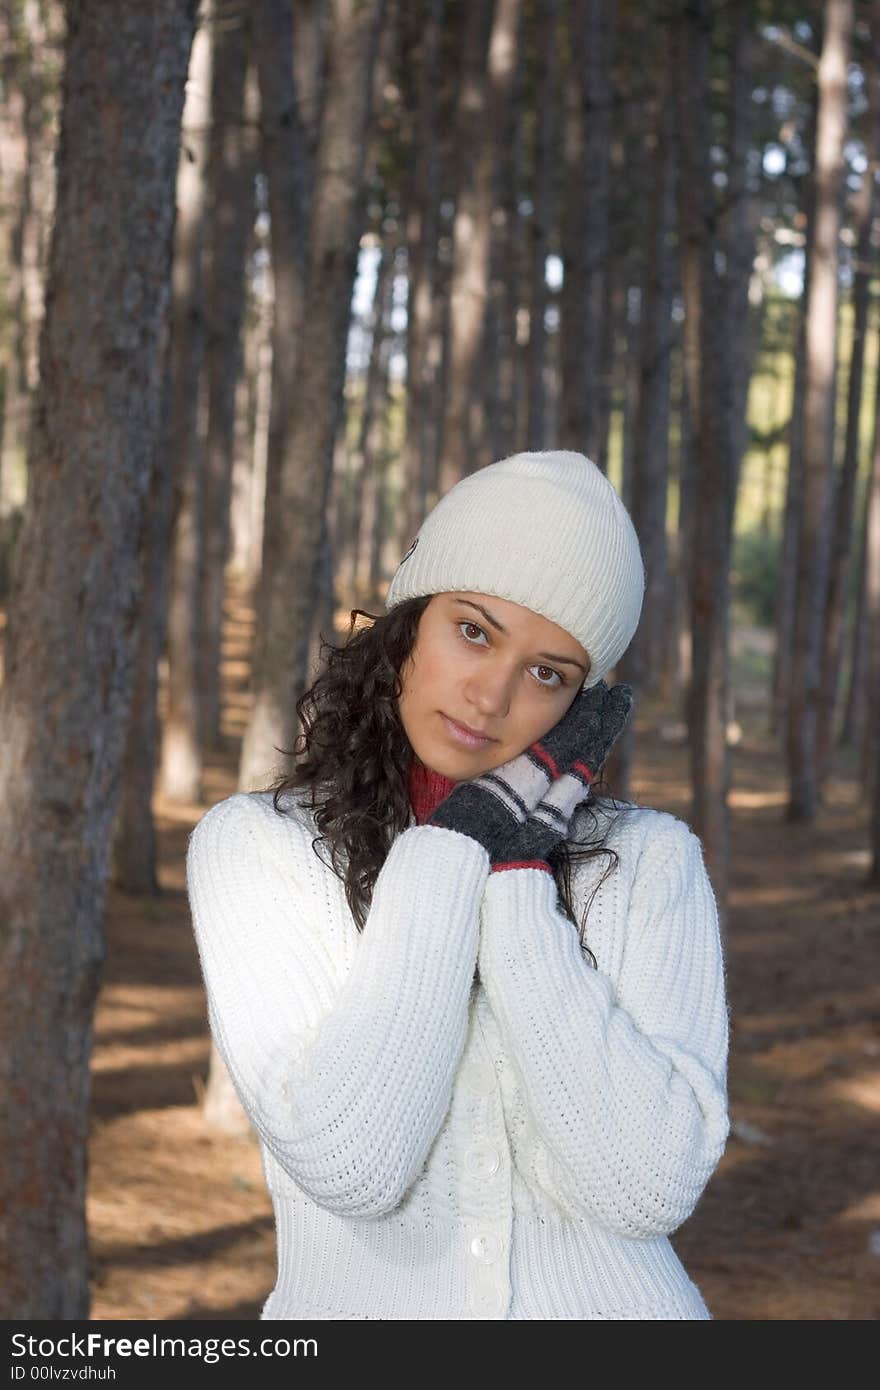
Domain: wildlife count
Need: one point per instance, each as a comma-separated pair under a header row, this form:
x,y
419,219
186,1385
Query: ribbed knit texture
x,y
519,1145
427,789
545,529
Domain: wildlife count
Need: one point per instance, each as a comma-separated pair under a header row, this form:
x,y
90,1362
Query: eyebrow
x,y
565,660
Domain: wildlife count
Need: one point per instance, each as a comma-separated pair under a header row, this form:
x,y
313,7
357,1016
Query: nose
x,y
489,692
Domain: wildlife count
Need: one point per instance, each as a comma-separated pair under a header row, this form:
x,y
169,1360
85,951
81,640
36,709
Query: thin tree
x,y
846,476
711,368
813,549
543,211
486,85
180,770
74,612
872,610
231,177
642,663
586,227
420,83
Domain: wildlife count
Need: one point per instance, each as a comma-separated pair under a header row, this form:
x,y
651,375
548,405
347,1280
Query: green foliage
x,y
756,568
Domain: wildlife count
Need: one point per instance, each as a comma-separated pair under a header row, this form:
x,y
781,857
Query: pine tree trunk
x,y
507,281
707,366
847,476
180,765
135,865
542,221
587,222
356,496
785,595
231,173
864,698
366,493
631,175
872,614
252,424
288,169
680,677
485,91
421,232
505,353
813,552
856,701
785,592
293,538
74,613
738,228
643,662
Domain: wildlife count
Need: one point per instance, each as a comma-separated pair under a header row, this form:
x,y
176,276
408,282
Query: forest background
x,y
274,274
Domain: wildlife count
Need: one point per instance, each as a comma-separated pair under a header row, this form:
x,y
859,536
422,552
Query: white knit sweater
x,y
515,1145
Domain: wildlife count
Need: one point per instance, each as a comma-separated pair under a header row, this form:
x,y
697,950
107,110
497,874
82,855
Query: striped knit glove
x,y
492,806
580,744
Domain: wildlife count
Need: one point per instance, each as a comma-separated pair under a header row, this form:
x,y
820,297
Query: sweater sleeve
x,y
346,1081
626,1079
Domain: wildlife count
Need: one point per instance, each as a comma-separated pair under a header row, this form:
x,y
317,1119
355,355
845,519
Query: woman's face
x,y
492,665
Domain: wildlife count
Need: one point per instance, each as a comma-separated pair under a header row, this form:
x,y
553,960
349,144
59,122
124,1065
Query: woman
x,y
464,1110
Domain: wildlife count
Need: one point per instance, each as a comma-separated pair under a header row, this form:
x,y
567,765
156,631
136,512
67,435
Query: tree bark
x,y
296,503
785,595
252,418
135,862
287,166
847,475
364,497
421,232
813,554
785,598
231,172
708,369
872,614
542,221
856,698
73,618
180,764
650,454
585,252
485,91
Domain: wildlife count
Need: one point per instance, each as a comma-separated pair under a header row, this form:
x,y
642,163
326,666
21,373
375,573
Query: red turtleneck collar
x,y
427,789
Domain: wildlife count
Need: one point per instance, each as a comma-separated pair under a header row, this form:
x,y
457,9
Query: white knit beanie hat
x,y
546,530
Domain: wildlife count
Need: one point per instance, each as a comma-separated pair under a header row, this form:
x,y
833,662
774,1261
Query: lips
x,y
464,734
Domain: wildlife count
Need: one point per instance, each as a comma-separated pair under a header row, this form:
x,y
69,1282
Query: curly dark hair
x,y
354,756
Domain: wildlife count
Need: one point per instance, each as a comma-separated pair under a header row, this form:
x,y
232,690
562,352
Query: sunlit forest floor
x,y
789,1227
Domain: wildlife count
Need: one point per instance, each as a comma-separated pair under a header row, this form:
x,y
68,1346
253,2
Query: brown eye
x,y
546,684
467,623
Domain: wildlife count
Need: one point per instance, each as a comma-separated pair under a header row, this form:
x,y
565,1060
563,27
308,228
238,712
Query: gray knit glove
x,y
598,715
491,808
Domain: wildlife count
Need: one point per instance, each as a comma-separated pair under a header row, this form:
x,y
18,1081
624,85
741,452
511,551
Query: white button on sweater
x,y
519,1145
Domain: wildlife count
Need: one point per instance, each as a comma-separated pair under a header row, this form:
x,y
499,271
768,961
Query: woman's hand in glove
x,y
494,807
579,744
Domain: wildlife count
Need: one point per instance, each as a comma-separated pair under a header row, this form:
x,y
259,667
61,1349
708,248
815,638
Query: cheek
x,y
542,720
421,675
441,657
